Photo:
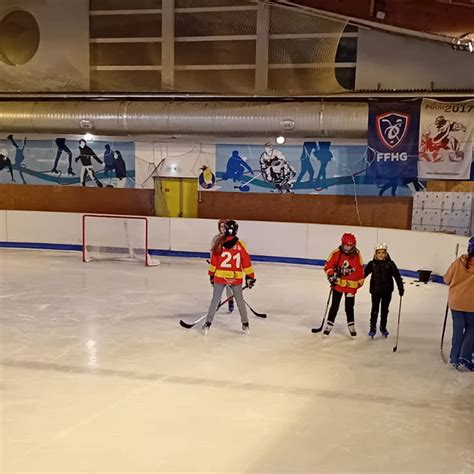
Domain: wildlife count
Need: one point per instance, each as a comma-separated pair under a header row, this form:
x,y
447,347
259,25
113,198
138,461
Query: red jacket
x,y
229,266
349,269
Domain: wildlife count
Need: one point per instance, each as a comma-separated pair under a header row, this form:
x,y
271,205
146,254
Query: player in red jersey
x,y
345,273
228,289
230,261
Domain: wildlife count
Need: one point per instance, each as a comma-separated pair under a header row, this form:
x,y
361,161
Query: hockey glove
x,y
401,292
211,279
332,279
250,282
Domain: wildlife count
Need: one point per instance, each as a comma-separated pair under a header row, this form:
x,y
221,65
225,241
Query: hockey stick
x,y
259,315
398,325
441,351
245,188
316,330
186,325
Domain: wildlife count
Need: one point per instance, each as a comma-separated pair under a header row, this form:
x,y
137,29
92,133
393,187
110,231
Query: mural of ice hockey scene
x,y
65,161
314,167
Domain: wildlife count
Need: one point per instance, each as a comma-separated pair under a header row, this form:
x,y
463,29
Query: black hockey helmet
x,y
231,227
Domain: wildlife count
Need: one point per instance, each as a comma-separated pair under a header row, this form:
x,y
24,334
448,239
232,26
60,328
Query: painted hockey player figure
x,y
345,273
440,139
230,261
236,167
275,169
383,270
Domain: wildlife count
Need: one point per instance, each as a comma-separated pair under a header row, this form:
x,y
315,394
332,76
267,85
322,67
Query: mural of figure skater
x,y
306,165
120,169
324,156
236,167
85,155
19,156
5,162
61,144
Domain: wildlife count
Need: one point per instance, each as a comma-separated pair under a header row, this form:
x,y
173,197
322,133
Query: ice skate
x,y
205,328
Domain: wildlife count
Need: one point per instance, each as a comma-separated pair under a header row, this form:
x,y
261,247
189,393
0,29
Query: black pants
x,y
348,305
383,300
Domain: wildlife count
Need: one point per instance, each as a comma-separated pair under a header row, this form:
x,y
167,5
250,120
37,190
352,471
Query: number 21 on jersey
x,y
227,260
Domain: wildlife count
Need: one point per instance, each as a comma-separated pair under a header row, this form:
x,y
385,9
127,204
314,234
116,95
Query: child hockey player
x,y
383,270
229,262
345,273
228,289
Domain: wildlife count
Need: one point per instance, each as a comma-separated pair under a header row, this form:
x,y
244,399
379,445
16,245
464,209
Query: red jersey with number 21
x,y
230,265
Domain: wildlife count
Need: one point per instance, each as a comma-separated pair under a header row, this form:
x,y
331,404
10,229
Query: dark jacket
x,y
120,167
85,155
383,272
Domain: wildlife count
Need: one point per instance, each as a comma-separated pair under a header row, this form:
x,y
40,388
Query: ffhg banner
x,y
446,135
393,139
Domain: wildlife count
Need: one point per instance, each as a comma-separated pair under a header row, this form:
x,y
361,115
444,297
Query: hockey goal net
x,y
108,237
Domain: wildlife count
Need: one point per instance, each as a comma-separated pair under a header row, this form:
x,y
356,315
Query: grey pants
x,y
238,297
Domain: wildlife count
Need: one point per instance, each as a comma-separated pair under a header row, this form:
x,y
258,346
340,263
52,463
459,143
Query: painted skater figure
x,y
85,155
120,169
324,156
345,272
62,147
305,158
19,155
108,159
383,271
5,162
230,262
236,167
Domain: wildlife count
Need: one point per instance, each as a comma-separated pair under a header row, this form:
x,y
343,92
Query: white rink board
x,y
44,227
411,250
3,226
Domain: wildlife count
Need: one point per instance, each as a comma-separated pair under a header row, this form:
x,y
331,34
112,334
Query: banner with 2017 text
x,y
446,138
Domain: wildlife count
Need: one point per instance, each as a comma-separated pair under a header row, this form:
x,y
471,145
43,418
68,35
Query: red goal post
x,y
116,237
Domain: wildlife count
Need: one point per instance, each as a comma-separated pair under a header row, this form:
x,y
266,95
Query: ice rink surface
x,y
98,376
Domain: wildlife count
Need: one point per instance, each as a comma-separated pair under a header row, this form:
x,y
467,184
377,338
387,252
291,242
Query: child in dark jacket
x,y
383,270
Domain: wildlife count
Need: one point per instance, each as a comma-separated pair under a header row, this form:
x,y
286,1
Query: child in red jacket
x,y
230,261
345,273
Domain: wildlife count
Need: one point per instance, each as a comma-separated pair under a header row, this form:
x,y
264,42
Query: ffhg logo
x,y
392,128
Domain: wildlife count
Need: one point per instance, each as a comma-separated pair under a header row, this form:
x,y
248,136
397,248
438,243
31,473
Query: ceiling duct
x,y
316,119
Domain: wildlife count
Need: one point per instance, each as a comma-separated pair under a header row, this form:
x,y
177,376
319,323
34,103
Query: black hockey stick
x,y
186,325
316,330
259,315
441,351
398,325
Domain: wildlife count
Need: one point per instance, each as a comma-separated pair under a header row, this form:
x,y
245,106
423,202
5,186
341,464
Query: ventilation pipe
x,y
315,119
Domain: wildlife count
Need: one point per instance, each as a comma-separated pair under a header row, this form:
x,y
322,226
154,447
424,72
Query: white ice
x,y
97,375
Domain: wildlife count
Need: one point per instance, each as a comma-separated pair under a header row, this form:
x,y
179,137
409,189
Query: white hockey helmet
x,y
382,246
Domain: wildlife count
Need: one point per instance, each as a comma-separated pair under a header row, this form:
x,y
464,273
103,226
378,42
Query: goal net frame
x,y
149,262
